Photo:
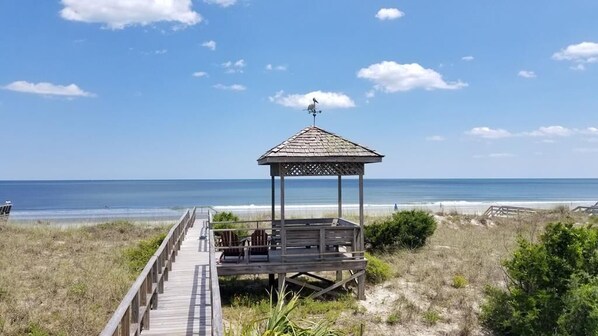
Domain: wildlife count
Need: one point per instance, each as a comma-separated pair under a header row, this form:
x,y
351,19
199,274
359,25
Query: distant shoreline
x,y
304,210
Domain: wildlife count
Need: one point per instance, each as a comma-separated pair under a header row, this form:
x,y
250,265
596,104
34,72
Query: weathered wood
x,y
340,198
507,211
217,327
133,308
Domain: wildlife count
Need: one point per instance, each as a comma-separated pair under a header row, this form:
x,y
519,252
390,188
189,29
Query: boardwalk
x,y
184,307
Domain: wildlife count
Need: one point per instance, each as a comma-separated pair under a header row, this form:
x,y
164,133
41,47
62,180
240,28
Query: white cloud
x,y
392,77
585,52
467,58
591,130
211,44
578,67
370,94
489,133
200,74
526,74
389,14
271,67
234,87
550,131
435,138
328,100
221,3
494,156
48,89
160,51
234,67
117,14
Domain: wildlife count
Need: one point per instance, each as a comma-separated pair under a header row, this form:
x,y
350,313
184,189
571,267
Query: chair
x,y
259,239
234,248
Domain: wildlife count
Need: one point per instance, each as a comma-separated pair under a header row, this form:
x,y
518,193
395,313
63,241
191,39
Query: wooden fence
x,y
507,211
592,210
133,313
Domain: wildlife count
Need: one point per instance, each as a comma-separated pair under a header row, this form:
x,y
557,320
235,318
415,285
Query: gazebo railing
x,y
327,235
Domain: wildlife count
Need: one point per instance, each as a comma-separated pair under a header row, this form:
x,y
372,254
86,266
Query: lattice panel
x,y
322,168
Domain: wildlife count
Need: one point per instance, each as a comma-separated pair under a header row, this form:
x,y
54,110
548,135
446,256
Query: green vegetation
x,y
459,281
408,229
377,270
280,320
228,217
431,317
225,217
137,257
553,285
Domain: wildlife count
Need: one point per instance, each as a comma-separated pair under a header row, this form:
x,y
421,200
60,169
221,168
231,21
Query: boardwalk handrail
x,y
217,328
132,314
506,210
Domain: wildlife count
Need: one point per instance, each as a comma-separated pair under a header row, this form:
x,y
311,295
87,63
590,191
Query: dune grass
x,y
57,281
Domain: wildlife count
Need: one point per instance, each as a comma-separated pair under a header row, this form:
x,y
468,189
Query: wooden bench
x,y
5,211
324,238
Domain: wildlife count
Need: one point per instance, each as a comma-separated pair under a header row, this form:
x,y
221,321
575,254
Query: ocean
x,y
167,199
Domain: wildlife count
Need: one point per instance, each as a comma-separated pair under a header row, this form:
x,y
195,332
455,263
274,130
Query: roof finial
x,y
311,109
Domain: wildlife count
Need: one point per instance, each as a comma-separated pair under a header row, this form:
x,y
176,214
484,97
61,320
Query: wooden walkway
x,y
185,306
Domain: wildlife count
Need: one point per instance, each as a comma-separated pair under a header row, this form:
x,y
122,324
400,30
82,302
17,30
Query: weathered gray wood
x,y
273,216
133,308
217,327
340,197
283,231
338,284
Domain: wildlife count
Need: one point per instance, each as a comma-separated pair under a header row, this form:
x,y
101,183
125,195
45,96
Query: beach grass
x,y
434,290
66,281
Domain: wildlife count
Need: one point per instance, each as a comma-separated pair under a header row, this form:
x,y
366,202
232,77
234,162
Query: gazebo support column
x,y
283,233
340,198
273,217
361,279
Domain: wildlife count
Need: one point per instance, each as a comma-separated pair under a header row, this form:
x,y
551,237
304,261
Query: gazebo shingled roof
x,y
313,144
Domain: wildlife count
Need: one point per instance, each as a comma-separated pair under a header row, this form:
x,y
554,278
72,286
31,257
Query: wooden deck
x,y
184,308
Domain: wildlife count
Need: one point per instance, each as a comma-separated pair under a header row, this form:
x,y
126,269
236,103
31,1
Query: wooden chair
x,y
230,240
259,239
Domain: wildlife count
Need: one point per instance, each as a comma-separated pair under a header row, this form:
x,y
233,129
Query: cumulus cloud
x,y
234,67
210,45
117,14
328,100
200,74
221,3
489,133
271,67
48,89
233,87
389,76
467,58
389,14
582,52
526,74
550,131
435,138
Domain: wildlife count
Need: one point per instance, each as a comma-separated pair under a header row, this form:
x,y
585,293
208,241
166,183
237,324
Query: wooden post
x,y
361,279
281,278
273,217
283,238
340,198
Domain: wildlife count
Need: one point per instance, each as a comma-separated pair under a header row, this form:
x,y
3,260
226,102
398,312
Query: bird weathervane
x,y
311,109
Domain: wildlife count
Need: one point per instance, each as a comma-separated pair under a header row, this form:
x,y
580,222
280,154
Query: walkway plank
x,y
184,307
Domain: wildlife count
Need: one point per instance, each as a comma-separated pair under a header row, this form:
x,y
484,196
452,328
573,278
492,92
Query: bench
x,y
5,211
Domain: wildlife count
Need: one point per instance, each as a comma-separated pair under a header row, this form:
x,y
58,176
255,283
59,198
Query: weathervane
x,y
311,109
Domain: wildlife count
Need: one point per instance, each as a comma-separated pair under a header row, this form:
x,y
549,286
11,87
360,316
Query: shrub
x,y
403,229
459,281
431,317
377,270
552,284
225,217
137,257
580,315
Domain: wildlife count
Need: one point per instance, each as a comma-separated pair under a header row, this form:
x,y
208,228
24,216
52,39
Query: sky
x,y
182,89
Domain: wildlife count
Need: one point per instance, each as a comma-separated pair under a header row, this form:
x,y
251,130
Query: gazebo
x,y
302,247
316,152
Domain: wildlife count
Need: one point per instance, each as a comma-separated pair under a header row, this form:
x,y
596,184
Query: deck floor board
x,y
184,307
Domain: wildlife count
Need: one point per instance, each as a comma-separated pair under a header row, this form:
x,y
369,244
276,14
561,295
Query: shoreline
x,y
93,216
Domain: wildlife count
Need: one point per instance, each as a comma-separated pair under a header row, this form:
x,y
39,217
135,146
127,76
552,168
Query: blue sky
x,y
114,89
